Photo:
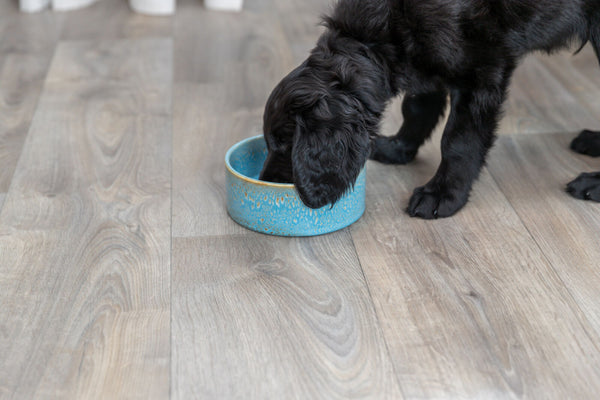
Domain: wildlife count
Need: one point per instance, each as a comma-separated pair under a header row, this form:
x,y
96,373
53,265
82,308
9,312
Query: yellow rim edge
x,y
247,178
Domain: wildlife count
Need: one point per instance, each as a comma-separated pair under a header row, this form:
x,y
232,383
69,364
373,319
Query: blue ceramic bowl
x,y
275,208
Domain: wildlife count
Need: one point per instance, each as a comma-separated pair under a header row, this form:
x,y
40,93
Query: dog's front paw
x,y
432,202
588,143
390,150
586,187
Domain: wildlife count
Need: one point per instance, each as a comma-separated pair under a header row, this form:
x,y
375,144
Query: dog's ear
x,y
327,157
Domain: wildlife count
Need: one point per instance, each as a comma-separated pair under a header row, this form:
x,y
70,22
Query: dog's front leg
x,y
468,135
421,114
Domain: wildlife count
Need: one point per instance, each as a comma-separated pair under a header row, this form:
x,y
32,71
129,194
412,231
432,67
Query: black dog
x,y
321,121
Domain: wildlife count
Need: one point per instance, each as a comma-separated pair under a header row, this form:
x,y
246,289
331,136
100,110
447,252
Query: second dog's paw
x,y
588,143
585,187
391,151
430,202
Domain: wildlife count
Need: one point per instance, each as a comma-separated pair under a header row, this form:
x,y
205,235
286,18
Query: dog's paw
x,y
432,202
586,187
588,143
388,150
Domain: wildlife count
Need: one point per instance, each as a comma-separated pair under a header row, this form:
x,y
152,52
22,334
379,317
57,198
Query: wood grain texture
x,y
26,49
85,231
216,104
306,306
580,76
586,63
300,22
27,44
204,127
532,172
113,19
540,103
469,306
260,317
230,44
18,101
112,145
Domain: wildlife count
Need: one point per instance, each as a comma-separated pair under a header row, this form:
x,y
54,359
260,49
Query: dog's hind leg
x,y
421,114
587,185
588,143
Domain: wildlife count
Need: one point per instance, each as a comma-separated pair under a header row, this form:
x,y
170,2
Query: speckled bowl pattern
x,y
276,209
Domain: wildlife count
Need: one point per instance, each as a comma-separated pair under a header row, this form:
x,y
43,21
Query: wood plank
x,y
117,22
248,58
582,82
532,172
249,44
258,317
85,232
223,108
540,103
134,61
301,24
17,106
204,127
469,306
27,44
9,7
588,64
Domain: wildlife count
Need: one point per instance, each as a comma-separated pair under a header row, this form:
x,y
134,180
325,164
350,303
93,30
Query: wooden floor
x,y
122,277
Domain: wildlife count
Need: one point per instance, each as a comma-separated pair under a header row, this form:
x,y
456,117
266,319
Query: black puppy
x,y
321,121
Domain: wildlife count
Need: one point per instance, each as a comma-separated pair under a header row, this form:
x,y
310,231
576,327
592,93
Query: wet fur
x,y
321,122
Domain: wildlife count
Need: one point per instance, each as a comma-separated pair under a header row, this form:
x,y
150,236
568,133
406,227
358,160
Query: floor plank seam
x,y
580,313
376,314
171,219
35,111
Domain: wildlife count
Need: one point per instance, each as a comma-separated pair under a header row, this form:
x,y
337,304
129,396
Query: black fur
x,y
587,143
321,122
587,185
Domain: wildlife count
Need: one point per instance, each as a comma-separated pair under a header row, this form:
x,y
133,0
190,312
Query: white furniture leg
x,y
224,5
153,7
66,5
33,5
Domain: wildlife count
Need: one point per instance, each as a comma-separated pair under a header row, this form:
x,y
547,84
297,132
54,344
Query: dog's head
x,y
319,119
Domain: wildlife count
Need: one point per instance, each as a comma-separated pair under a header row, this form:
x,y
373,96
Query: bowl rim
x,y
247,178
